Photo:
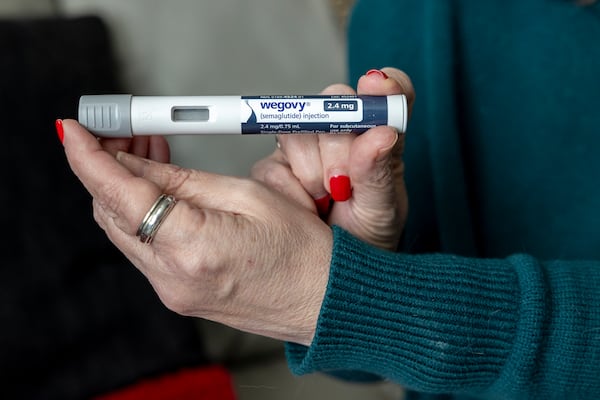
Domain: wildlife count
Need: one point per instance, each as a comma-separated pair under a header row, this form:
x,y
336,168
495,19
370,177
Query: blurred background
x,y
81,322
191,47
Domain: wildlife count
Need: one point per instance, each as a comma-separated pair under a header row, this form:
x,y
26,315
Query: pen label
x,y
314,114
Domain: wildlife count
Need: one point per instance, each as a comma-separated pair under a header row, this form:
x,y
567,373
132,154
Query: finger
x,y
139,146
375,145
210,208
114,145
379,150
188,236
378,207
373,157
113,186
302,154
172,234
181,230
308,171
201,189
276,173
156,261
334,151
122,199
128,244
305,156
152,147
158,149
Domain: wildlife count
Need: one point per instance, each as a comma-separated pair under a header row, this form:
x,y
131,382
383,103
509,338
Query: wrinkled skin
x,y
249,253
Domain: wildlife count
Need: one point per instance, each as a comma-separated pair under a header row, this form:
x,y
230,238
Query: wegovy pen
x,y
125,115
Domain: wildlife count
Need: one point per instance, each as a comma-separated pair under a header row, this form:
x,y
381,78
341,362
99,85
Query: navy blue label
x,y
312,114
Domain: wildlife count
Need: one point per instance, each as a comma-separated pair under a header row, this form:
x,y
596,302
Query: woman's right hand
x,y
363,174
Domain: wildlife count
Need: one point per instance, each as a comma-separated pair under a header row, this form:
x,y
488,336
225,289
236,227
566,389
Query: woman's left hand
x,y
232,250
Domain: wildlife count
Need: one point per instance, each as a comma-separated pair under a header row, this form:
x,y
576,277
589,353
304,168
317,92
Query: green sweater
x,y
496,291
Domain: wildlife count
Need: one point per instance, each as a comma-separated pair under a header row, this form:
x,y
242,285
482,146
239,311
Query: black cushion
x,y
76,318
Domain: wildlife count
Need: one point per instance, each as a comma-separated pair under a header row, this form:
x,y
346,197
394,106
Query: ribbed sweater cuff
x,y
431,322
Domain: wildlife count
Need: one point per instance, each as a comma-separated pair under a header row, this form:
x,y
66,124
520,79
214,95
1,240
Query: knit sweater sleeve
x,y
508,328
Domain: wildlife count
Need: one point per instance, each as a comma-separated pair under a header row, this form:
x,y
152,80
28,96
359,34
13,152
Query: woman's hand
x,y
232,250
363,174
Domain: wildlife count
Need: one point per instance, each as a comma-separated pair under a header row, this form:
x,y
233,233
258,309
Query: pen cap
x,y
106,115
397,112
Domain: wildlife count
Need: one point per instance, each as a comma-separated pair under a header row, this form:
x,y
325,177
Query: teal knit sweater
x,y
496,291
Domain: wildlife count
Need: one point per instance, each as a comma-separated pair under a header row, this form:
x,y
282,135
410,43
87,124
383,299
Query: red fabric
x,y
191,384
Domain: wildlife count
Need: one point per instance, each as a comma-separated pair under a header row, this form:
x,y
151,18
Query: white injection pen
x,y
124,115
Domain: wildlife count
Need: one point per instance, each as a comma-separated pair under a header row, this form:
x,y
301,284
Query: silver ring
x,y
155,217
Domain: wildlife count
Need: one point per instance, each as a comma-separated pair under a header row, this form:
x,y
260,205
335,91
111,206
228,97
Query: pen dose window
x,y
193,114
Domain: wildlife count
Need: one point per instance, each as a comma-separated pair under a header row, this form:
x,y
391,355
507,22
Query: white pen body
x,y
123,115
185,115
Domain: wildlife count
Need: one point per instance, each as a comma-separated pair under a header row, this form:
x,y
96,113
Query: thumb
x,y
379,203
373,159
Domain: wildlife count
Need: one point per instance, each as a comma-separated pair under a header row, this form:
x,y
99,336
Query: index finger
x,y
112,185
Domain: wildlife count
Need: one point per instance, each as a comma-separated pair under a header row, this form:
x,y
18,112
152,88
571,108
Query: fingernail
x,y
377,72
60,130
341,190
323,204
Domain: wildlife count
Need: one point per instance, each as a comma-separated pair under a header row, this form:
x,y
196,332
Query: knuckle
x,y
388,181
276,177
251,189
404,81
258,170
309,176
175,291
192,270
115,202
194,286
176,177
99,215
264,167
176,301
113,197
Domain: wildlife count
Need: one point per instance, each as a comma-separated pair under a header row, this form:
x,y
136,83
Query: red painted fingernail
x,y
323,204
377,72
341,190
60,130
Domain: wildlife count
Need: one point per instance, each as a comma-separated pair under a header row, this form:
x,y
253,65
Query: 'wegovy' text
x,y
282,106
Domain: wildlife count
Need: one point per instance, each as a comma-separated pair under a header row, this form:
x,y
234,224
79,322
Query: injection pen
x,y
125,115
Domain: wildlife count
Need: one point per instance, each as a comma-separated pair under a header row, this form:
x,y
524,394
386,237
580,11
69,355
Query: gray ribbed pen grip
x,y
106,115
